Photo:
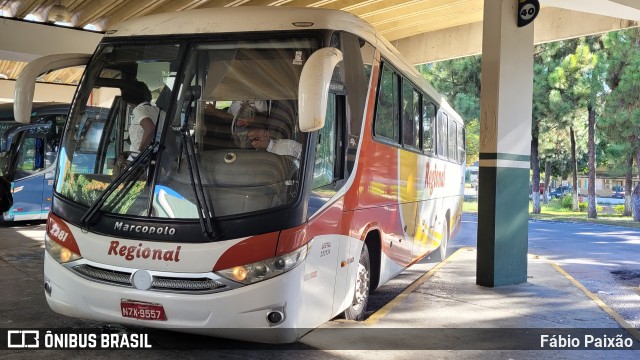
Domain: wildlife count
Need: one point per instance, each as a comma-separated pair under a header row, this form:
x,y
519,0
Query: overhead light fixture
x,y
58,13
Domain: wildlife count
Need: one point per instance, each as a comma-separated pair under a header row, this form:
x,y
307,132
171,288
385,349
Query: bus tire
x,y
445,241
356,311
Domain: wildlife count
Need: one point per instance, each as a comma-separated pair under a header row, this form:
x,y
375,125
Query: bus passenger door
x,y
326,292
51,138
47,188
29,180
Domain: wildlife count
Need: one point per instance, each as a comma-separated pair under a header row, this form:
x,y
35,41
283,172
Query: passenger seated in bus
x,y
260,139
145,116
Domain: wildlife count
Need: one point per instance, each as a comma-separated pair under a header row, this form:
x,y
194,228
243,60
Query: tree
x,y
621,117
618,158
473,140
546,58
458,80
577,85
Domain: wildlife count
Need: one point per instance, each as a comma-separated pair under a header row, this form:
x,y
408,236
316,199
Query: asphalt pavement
x,y
432,310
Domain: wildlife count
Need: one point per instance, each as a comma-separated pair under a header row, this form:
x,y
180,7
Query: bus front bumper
x,y
232,314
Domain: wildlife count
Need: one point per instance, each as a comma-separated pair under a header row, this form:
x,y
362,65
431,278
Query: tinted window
x,y
453,146
325,161
428,124
442,141
462,154
410,116
386,124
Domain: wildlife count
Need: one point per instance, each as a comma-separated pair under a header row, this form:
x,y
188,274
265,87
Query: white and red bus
x,y
199,231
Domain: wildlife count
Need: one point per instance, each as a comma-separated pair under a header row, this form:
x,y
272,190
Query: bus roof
x,y
241,19
269,18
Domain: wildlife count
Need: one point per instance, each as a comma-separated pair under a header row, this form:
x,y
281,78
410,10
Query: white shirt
x,y
285,147
143,110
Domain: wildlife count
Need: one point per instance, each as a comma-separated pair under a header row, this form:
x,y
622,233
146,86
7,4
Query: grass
x,y
555,212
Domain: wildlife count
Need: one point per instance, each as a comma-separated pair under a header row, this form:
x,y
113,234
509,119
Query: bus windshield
x,y
223,137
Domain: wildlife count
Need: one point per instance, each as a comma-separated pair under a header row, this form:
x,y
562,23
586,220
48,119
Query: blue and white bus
x,y
28,153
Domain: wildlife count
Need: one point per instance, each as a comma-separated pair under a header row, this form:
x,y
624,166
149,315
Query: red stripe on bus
x,y
255,248
329,221
60,232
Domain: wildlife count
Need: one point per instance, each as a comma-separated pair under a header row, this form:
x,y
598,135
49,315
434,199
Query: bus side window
x,y
428,124
442,139
30,157
462,153
453,146
55,133
325,164
411,116
386,122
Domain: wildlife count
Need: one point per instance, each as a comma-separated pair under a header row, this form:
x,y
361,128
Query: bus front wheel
x,y
356,311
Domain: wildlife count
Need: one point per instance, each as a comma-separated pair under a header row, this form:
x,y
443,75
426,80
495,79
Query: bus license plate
x,y
142,310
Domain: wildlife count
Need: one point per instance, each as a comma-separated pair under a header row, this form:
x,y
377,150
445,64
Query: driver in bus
x,y
260,139
244,112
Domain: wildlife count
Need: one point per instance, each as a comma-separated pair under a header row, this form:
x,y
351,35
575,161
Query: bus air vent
x,y
103,275
202,284
160,282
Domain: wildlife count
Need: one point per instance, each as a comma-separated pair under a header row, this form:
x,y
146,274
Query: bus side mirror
x,y
313,89
26,82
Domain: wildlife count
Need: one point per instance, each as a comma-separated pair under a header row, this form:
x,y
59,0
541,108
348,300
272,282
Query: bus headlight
x,y
266,269
60,253
59,240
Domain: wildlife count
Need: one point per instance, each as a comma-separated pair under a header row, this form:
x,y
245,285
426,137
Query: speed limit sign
x,y
527,11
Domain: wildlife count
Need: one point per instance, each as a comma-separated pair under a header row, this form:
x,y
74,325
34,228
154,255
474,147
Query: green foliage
x,y
82,189
583,207
620,121
598,72
459,81
119,204
619,209
567,202
87,191
473,141
468,106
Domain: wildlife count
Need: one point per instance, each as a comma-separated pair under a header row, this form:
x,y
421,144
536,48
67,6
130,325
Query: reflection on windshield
x,y
229,143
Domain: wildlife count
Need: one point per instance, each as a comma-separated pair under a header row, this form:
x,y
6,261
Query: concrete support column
x,y
505,145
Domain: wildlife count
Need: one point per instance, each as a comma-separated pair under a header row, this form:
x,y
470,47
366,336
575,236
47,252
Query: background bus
x,y
200,231
27,157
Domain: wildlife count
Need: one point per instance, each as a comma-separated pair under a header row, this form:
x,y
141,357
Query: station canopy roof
x,y
403,22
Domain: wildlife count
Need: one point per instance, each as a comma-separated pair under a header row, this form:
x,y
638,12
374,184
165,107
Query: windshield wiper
x,y
205,213
125,175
